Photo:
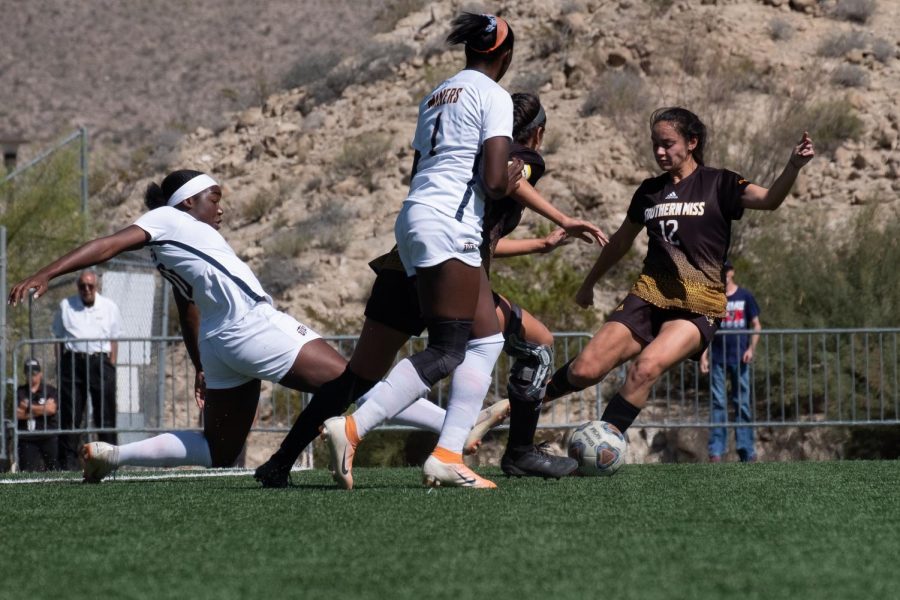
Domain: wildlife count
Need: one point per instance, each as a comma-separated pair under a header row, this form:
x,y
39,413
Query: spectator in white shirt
x,y
86,366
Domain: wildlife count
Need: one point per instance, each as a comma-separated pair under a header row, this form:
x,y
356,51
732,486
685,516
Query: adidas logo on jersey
x,y
672,196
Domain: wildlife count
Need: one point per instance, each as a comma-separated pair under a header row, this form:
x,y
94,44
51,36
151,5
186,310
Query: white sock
x,y
470,384
398,390
177,449
422,414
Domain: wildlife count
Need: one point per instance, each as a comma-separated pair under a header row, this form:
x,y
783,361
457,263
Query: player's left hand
x,y
585,231
513,174
803,152
200,389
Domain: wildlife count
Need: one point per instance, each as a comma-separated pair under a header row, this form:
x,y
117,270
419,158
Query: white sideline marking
x,y
158,477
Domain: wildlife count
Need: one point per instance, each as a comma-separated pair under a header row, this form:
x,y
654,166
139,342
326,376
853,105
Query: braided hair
x,y
686,123
158,195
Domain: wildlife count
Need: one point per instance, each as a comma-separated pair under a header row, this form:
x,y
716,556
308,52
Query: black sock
x,y
559,384
332,399
523,420
620,412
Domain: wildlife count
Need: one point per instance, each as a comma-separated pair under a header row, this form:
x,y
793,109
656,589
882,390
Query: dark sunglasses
x,y
86,286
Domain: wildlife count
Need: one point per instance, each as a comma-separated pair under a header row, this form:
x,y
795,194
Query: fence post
x,y
83,155
3,334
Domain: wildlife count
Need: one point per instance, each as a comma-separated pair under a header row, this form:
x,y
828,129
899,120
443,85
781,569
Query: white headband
x,y
191,187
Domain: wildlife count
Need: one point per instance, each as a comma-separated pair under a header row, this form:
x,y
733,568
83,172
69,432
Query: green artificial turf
x,y
786,530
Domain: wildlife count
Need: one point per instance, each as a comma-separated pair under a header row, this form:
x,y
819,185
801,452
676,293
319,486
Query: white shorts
x,y
426,237
261,345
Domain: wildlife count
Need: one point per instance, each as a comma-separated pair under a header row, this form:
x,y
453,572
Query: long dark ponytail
x,y
479,34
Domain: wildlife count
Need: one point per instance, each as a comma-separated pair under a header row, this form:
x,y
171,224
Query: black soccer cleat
x,y
537,462
272,474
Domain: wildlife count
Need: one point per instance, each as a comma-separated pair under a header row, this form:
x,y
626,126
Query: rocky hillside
x,y
139,75
315,176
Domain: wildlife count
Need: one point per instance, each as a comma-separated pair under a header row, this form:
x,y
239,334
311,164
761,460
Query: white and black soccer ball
x,y
599,448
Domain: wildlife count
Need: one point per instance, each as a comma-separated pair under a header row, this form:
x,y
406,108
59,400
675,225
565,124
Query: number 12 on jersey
x,y
668,231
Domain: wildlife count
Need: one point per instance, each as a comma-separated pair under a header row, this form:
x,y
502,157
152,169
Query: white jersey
x,y
198,261
454,121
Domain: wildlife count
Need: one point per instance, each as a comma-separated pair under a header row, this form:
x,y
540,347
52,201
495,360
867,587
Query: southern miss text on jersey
x,y
689,232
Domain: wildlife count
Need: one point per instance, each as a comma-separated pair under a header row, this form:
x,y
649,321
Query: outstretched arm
x,y
759,198
583,230
519,247
88,255
618,246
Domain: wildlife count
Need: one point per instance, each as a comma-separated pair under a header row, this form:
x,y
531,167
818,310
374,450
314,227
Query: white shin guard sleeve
x,y
422,414
470,384
398,390
181,448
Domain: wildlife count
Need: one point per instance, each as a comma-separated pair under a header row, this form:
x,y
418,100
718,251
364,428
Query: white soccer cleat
x,y
437,473
488,418
340,433
100,459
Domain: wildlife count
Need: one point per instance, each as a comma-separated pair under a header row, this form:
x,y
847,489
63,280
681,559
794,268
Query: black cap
x,y
31,364
728,266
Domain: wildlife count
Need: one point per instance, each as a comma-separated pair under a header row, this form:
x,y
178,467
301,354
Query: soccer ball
x,y
598,447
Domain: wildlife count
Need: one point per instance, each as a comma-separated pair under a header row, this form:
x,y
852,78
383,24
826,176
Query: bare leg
x,y
227,416
315,364
677,340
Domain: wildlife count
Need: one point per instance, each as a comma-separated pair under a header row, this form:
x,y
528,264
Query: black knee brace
x,y
529,373
446,349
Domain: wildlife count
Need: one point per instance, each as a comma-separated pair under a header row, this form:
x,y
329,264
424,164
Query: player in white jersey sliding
x,y
233,334
461,144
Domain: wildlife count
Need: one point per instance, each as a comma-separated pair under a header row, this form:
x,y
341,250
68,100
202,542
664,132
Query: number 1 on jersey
x,y
434,134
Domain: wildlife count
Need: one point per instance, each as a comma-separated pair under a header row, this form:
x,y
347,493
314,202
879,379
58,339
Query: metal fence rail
x,y
799,378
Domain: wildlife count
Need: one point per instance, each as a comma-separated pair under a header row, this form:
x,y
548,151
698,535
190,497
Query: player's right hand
x,y
200,389
584,297
35,284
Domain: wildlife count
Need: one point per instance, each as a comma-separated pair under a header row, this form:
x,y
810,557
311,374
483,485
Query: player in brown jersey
x,y
674,308
393,316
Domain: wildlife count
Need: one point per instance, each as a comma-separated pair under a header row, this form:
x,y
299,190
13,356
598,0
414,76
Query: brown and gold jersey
x,y
689,230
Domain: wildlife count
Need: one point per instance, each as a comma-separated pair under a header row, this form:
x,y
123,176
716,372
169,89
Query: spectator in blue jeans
x,y
730,356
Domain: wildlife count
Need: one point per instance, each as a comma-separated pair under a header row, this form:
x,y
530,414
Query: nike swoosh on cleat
x,y
465,479
344,464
